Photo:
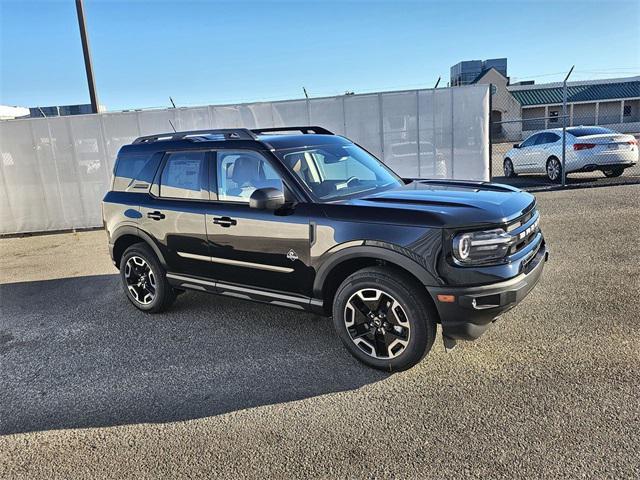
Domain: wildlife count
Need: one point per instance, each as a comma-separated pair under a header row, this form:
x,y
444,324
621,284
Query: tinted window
x,y
542,139
129,165
584,131
530,141
240,173
182,176
552,137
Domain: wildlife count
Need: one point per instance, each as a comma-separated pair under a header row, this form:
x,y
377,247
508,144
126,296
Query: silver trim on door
x,y
227,261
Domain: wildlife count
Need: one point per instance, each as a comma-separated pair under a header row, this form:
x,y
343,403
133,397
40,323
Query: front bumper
x,y
475,308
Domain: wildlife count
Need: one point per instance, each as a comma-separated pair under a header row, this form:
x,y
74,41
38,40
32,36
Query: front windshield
x,y
333,172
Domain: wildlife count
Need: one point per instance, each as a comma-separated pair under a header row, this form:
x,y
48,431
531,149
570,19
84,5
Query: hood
x,y
447,203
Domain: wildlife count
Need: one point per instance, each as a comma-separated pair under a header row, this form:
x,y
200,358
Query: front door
x,y
260,248
525,160
174,214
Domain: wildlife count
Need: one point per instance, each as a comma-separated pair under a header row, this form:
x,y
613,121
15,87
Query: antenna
x,y
172,102
170,123
437,83
305,93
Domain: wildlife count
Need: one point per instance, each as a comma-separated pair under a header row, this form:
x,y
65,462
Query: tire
x,y
508,169
144,280
409,331
554,170
614,172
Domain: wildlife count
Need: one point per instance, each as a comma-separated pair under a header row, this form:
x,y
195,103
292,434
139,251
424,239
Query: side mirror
x,y
266,199
516,145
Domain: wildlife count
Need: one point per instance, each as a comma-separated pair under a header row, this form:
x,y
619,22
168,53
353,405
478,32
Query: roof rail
x,y
226,133
305,130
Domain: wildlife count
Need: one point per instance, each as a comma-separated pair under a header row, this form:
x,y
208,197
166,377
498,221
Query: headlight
x,y
481,247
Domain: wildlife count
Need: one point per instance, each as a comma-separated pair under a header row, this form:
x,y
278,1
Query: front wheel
x,y
144,280
509,171
614,172
384,318
554,170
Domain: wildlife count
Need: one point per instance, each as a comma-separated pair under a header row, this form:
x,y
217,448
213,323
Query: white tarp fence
x,y
55,171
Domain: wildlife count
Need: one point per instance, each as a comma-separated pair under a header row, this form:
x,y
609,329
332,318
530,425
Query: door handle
x,y
225,221
156,215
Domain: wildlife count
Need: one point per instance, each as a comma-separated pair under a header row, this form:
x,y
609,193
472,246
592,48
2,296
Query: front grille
x,y
523,230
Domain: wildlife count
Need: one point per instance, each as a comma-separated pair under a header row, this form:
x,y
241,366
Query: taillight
x,y
633,141
583,146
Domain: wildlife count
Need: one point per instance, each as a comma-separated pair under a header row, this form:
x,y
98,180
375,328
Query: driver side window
x,y
240,173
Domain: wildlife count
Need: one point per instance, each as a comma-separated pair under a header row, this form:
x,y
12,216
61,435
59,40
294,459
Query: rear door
x,y
174,213
257,248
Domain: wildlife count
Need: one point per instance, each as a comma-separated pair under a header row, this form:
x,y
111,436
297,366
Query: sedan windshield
x,y
333,172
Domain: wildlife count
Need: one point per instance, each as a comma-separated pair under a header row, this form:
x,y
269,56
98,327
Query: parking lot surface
x,y
92,388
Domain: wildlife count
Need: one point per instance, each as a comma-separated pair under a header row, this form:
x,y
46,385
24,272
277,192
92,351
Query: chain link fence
x,y
530,148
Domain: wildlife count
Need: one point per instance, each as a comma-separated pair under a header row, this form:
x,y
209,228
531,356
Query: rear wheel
x,y
384,318
144,280
614,172
509,171
554,170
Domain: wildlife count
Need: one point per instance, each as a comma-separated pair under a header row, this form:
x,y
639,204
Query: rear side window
x,y
240,173
182,176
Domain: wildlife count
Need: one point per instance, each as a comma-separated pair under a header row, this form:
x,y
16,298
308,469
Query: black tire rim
x,y
140,279
508,168
377,324
553,169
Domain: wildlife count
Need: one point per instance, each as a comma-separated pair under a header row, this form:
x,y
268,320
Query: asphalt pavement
x,y
218,387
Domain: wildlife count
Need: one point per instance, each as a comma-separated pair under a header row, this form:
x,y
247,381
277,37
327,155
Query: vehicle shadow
x,y
74,353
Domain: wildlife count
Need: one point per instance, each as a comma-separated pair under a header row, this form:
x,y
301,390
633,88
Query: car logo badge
x,y
292,255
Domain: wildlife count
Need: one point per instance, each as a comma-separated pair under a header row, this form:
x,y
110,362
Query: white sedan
x,y
587,149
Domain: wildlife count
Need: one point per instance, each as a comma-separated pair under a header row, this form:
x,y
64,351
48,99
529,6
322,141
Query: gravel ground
x,y
91,388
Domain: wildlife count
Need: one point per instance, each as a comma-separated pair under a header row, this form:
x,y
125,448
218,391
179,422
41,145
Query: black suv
x,y
301,218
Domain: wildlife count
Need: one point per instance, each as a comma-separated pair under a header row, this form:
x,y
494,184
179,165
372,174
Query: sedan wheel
x,y
554,169
508,169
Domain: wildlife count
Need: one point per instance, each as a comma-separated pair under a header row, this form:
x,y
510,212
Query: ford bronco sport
x,y
301,218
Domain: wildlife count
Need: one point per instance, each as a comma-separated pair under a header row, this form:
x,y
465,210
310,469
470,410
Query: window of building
x,y
240,173
553,114
182,176
626,111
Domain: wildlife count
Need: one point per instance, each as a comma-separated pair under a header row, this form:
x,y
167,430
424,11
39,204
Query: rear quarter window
x,y
128,167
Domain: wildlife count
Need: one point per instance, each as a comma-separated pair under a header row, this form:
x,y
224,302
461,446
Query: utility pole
x,y
564,127
87,56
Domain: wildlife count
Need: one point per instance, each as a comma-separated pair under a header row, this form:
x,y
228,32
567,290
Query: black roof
x,y
267,138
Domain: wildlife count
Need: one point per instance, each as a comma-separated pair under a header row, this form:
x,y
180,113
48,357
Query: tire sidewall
x,y
141,250
417,315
